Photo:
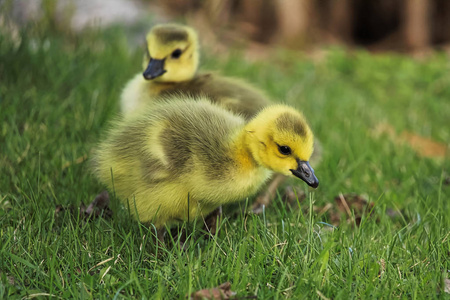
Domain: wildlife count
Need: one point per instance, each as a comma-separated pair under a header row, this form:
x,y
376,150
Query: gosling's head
x,y
172,53
280,139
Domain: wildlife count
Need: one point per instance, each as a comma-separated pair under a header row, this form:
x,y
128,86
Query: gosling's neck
x,y
171,82
242,151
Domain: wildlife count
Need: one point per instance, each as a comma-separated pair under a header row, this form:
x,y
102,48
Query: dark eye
x,y
285,150
176,53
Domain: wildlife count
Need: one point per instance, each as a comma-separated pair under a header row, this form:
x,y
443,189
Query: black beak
x,y
154,69
306,173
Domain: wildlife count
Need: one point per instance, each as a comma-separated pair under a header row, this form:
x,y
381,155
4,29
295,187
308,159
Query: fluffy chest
x,y
247,183
233,186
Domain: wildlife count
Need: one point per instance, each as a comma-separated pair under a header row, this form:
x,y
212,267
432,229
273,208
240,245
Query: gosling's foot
x,y
212,220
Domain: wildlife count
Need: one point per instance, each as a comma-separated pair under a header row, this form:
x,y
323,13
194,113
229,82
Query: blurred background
x,y
373,78
407,26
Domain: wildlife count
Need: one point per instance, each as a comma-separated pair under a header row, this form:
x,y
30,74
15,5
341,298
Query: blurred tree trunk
x,y
340,20
293,21
416,22
258,19
441,22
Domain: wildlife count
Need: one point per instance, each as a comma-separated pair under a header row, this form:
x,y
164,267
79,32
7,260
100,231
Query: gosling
x,y
182,158
170,66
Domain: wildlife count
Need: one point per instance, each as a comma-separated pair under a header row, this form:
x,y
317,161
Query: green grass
x,y
57,94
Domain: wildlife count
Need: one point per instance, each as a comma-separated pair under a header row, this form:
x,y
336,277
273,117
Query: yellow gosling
x,y
170,67
180,159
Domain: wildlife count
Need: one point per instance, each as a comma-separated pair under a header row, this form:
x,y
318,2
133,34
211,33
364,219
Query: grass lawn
x,y
371,113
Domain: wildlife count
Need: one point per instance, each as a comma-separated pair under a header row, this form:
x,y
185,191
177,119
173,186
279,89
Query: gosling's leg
x,y
211,221
158,238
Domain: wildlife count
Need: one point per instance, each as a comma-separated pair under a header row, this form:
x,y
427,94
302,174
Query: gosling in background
x,y
181,159
170,66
